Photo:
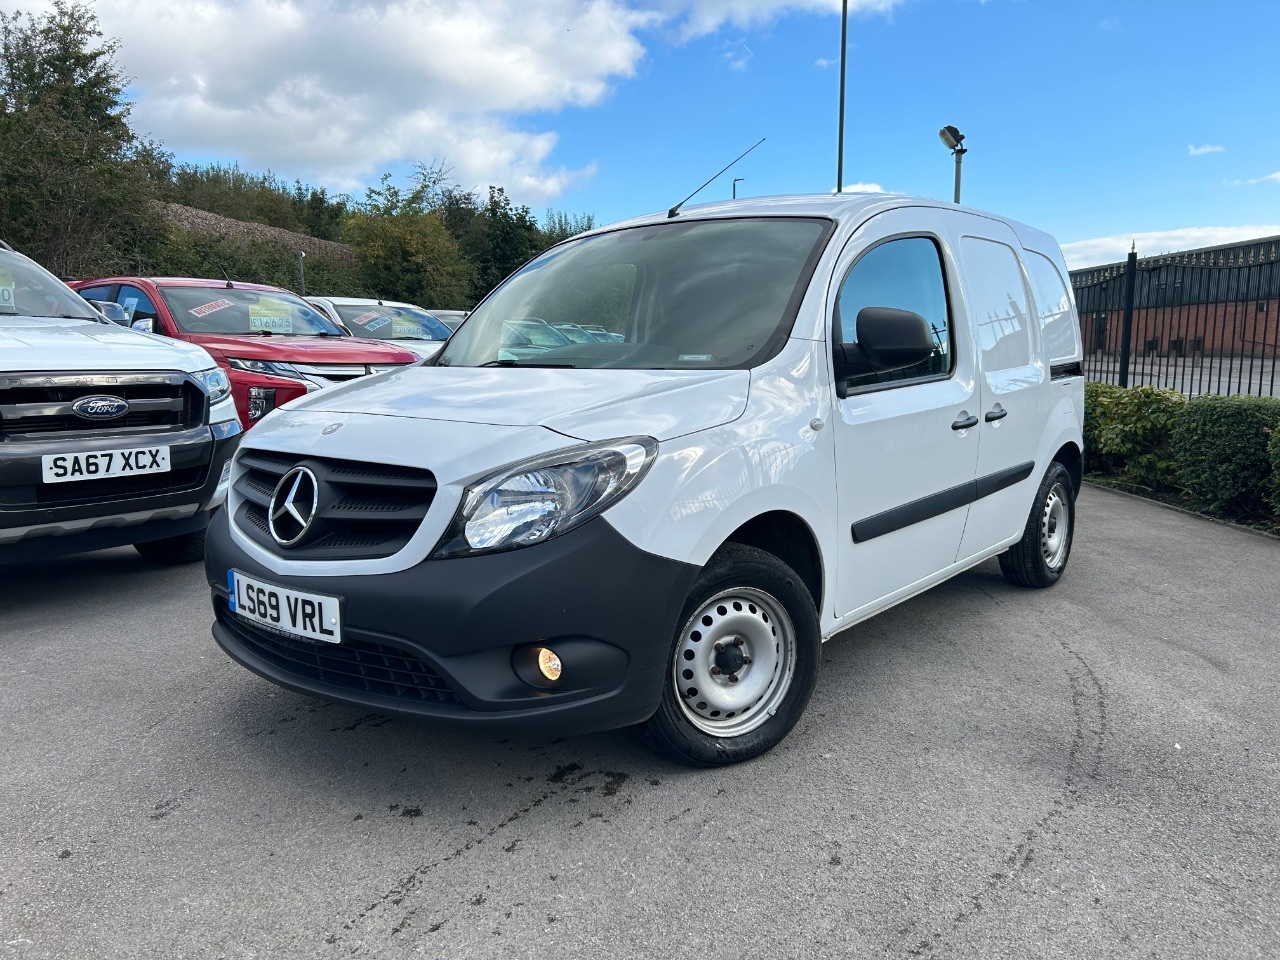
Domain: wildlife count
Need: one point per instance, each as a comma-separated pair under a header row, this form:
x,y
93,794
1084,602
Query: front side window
x,y
905,274
137,305
237,312
29,290
685,294
386,322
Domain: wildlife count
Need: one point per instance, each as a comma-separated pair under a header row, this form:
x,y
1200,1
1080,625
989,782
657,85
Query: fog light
x,y
548,664
262,400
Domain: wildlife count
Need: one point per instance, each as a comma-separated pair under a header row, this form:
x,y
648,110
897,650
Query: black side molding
x,y
1064,371
936,504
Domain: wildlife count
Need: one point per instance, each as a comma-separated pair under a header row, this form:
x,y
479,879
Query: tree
x,y
76,184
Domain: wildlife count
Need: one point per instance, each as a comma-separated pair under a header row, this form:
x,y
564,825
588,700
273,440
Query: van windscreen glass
x,y
700,294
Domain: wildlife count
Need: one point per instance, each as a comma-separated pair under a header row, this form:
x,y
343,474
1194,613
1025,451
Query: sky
x,y
1104,122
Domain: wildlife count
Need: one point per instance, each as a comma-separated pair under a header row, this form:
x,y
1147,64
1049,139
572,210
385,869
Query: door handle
x,y
965,424
994,415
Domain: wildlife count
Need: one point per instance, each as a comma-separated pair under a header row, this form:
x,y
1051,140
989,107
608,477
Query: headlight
x,y
215,383
272,368
540,498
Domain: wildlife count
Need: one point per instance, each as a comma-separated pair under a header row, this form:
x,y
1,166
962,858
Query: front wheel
x,y
1038,559
743,664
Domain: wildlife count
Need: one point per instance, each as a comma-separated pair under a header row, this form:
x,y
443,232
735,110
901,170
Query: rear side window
x,y
906,274
1061,334
997,299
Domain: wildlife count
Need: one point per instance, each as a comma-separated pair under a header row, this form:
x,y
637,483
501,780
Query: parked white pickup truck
x,y
108,436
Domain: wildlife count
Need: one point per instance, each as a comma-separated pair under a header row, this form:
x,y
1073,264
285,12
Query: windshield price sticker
x,y
274,317
7,290
205,309
378,324
363,318
409,330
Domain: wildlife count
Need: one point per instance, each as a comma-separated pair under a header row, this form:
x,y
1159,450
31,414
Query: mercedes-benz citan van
x,y
817,408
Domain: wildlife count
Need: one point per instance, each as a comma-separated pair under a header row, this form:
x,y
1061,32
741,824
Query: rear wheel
x,y
1038,559
744,663
186,548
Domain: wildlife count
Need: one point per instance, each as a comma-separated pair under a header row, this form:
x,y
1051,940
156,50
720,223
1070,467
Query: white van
x,y
820,406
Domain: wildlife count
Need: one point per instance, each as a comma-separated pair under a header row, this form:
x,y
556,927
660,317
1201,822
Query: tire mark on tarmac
x,y
391,907
1084,761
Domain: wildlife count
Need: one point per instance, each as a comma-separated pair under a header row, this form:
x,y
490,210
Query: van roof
x,y
838,207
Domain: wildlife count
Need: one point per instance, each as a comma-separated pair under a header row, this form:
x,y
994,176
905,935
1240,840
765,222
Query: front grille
x,y
38,406
350,665
365,511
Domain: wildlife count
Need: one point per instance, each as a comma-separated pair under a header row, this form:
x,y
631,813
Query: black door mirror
x,y
888,339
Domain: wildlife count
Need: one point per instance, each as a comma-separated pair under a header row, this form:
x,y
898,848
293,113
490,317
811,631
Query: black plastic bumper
x,y
443,640
200,452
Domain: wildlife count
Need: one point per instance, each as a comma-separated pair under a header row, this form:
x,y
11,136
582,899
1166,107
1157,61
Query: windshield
x,y
387,322
236,312
709,294
29,290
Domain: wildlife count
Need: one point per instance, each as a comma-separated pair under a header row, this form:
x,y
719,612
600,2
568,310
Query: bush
x,y
1273,451
1127,431
1222,445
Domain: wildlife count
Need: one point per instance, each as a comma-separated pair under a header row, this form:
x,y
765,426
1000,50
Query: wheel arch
x,y
790,539
1070,457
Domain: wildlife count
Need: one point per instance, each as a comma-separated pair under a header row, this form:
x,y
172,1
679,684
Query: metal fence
x,y
1204,321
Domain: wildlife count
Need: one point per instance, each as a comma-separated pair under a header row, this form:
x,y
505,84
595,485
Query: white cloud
x,y
737,56
1089,253
336,91
824,64
1207,148
1269,178
863,188
1109,24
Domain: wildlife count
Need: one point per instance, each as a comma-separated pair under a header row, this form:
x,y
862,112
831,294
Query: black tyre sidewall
x,y
1024,563
740,566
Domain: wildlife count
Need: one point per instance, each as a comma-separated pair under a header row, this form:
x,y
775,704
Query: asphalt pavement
x,y
985,771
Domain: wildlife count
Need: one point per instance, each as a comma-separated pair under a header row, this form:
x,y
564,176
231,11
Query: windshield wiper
x,y
522,362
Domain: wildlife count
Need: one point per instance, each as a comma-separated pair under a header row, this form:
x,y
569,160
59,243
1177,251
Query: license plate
x,y
103,464
311,616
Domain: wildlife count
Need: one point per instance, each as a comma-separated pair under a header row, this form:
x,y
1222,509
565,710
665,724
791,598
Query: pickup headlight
x,y
542,497
272,368
214,382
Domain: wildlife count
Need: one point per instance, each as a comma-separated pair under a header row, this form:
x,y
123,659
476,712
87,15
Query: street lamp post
x,y
953,139
302,275
844,43
736,181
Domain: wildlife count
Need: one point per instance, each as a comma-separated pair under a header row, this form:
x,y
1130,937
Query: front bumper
x,y
438,641
97,515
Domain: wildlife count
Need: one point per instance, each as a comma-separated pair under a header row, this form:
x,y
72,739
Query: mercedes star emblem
x,y
293,506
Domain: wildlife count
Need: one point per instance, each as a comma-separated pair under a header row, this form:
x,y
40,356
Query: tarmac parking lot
x,y
984,771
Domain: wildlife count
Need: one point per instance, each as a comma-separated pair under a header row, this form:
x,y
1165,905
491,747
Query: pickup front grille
x,y
350,665
38,406
364,511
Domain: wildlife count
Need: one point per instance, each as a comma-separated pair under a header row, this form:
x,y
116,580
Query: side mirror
x,y
146,326
111,311
888,339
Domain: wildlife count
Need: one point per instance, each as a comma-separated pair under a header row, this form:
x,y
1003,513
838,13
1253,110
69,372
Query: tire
x,y
1038,559
747,695
186,548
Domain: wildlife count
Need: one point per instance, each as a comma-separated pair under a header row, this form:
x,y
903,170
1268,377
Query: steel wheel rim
x,y
1055,525
718,694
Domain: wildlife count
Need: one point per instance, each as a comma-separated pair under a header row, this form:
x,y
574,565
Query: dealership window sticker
x,y
207,308
8,290
271,315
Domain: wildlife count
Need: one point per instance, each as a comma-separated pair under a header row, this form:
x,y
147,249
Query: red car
x,y
274,345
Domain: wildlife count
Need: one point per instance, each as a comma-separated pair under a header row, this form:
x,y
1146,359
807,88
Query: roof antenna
x,y
676,209
223,271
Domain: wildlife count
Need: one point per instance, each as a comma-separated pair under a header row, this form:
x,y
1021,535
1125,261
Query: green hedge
x,y
1128,432
1221,444
1220,454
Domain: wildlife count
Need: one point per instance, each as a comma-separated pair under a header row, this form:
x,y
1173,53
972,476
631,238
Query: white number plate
x,y
65,467
311,616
